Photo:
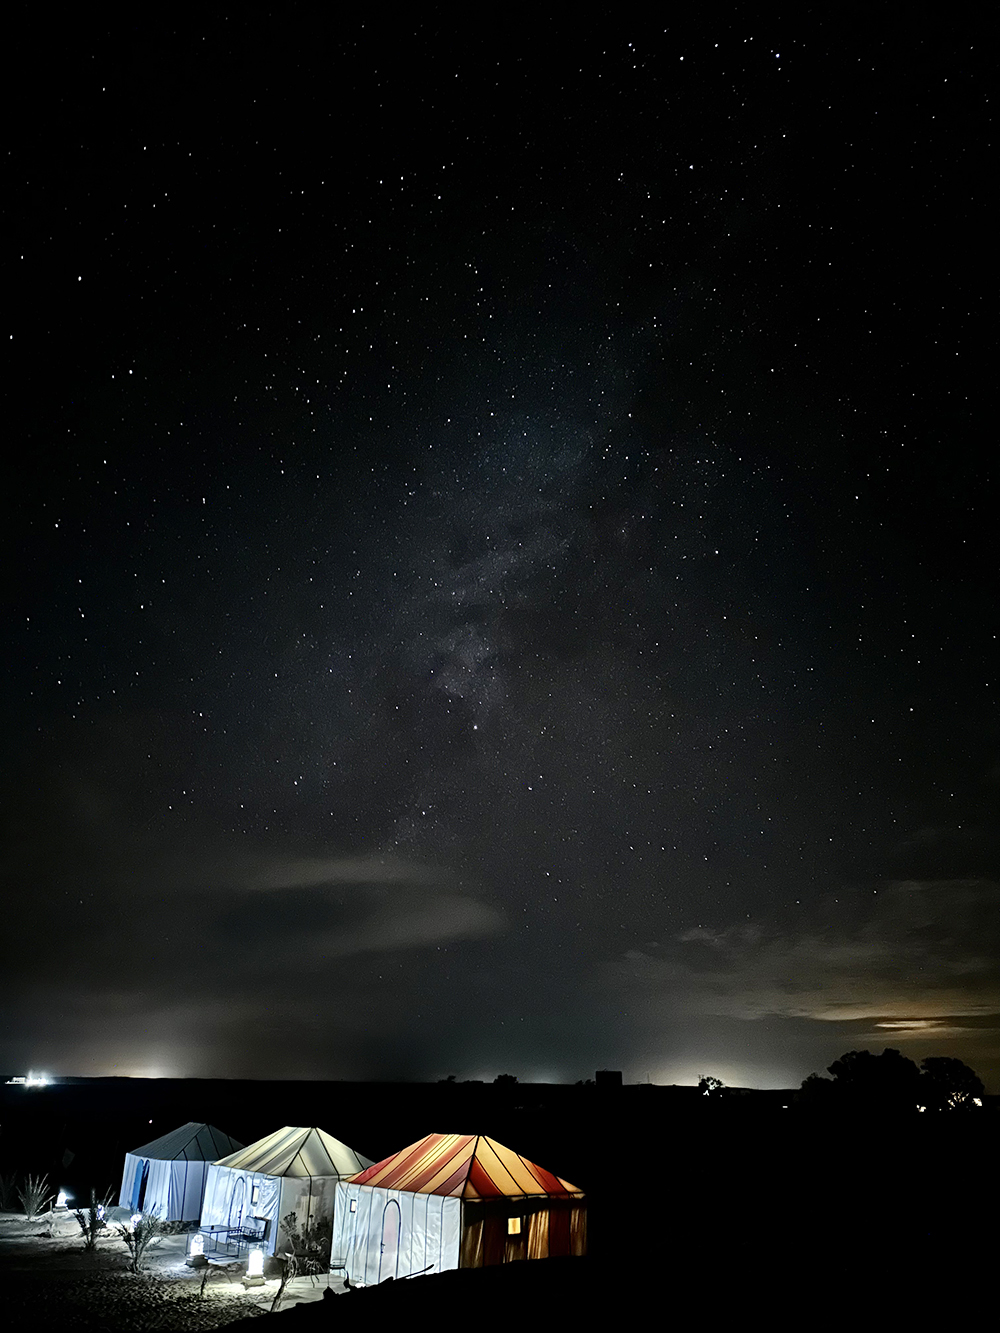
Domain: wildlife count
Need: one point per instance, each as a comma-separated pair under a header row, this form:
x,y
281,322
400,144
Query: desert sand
x,y
48,1280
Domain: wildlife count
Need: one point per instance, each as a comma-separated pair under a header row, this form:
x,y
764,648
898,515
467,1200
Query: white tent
x,y
453,1201
291,1171
168,1175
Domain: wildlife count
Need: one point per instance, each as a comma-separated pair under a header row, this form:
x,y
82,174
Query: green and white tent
x,y
290,1171
168,1175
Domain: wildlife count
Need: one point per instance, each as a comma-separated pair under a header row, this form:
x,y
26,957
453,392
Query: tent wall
x,y
549,1229
229,1200
310,1198
173,1189
233,1197
393,1233
187,1185
132,1164
215,1205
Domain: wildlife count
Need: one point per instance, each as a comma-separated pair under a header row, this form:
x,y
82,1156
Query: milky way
x,y
501,558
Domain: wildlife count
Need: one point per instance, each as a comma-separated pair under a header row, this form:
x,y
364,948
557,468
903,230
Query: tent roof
x,y
465,1166
297,1152
192,1142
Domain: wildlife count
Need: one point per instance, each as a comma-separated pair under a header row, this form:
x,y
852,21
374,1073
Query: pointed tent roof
x,y
297,1152
192,1142
465,1166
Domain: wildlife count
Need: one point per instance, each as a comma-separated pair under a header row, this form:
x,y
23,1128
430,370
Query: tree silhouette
x,y
883,1083
711,1087
817,1093
947,1084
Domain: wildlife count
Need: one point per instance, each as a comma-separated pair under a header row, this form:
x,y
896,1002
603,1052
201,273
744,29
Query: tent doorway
x,y
236,1204
389,1256
139,1188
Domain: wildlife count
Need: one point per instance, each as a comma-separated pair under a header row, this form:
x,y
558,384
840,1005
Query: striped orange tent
x,y
453,1201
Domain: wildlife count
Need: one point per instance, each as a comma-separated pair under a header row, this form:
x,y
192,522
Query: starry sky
x,y
498,565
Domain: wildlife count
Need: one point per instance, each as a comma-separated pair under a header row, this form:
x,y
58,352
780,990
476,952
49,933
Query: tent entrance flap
x,y
141,1182
388,1265
236,1203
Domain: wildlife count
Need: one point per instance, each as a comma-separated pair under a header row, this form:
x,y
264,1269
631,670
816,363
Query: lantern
x,y
196,1252
255,1268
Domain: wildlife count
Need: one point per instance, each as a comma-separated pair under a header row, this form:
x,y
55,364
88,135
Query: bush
x,y
35,1196
139,1236
307,1252
92,1220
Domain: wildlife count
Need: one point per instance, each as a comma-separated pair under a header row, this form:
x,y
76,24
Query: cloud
x,y
265,869
225,963
212,913
921,955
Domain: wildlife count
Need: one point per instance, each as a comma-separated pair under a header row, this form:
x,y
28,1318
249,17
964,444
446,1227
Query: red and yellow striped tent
x,y
466,1166
453,1201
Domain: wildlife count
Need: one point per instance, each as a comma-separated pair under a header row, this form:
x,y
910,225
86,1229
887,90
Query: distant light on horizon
x,y
30,1080
687,1075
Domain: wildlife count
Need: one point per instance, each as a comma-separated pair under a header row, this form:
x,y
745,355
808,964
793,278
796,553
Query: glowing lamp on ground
x,y
255,1268
196,1252
62,1199
134,1220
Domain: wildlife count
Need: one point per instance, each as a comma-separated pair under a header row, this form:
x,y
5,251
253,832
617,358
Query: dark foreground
x,y
695,1212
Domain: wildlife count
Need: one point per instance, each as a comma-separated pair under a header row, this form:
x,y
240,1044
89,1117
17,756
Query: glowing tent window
x,y
513,1226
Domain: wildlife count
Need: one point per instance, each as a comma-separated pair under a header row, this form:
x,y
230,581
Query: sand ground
x,y
48,1280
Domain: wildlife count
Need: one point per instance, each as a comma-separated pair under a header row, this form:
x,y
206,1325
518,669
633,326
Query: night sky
x,y
499,556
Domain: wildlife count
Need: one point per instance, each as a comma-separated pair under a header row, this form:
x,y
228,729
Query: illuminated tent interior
x,y
168,1175
453,1201
290,1171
